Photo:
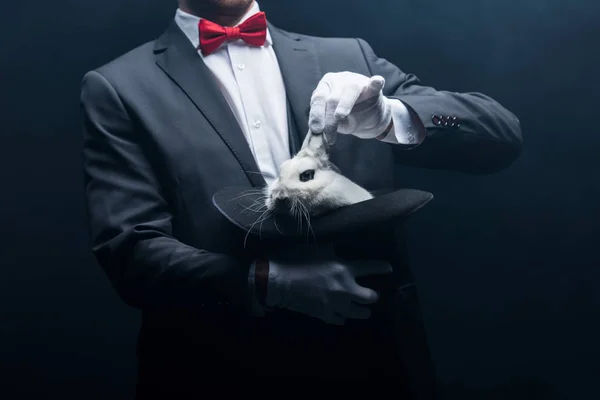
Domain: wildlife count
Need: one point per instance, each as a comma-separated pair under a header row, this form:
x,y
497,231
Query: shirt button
x,y
241,66
257,124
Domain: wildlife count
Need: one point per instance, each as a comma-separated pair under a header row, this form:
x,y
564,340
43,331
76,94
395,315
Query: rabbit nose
x,y
283,204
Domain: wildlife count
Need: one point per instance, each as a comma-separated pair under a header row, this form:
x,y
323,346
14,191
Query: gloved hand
x,y
326,290
350,103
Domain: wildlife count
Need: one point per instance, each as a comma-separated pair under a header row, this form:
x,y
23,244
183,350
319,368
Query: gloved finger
x,y
347,101
331,123
318,105
371,267
373,88
356,311
335,95
363,295
316,119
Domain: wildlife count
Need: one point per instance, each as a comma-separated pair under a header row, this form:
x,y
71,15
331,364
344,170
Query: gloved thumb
x,y
376,84
372,88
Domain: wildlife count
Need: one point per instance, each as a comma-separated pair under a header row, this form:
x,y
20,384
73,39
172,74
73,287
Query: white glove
x,y
350,103
326,290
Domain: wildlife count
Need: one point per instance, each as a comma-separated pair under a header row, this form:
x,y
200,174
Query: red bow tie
x,y
252,31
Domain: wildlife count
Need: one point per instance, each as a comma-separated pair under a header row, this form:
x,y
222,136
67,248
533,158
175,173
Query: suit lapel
x,y
299,66
176,56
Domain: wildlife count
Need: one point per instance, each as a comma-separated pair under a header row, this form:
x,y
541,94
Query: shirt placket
x,y
255,121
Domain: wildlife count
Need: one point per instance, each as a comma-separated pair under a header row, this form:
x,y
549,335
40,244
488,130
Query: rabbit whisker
x,y
310,229
259,220
248,192
257,206
296,212
275,223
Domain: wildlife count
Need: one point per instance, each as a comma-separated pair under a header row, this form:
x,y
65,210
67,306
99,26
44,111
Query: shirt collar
x,y
189,24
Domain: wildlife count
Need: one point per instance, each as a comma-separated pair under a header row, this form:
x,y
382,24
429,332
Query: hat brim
x,y
241,207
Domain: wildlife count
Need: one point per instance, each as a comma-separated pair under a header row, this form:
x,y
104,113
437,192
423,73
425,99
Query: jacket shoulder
x,y
127,65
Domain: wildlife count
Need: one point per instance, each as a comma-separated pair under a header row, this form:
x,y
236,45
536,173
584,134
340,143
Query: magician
x,y
222,98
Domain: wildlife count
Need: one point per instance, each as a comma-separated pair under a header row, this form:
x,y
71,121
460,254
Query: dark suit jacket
x,y
160,140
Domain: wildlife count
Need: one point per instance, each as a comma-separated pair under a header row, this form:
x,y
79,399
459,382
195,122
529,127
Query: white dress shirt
x,y
252,84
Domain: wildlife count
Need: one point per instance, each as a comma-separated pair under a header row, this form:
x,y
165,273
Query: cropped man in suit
x,y
220,99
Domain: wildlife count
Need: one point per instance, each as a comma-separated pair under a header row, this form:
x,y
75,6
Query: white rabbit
x,y
310,184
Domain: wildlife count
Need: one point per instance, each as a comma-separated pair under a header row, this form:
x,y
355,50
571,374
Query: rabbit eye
x,y
307,175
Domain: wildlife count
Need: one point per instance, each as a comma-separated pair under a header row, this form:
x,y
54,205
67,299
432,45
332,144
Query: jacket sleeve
x,y
466,132
130,220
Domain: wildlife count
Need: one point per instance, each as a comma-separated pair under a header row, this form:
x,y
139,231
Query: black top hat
x,y
240,207
396,312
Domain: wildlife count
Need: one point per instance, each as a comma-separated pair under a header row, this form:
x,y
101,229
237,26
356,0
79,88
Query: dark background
x,y
507,263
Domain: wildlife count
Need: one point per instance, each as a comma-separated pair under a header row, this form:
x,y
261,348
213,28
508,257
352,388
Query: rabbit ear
x,y
329,138
311,141
316,144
